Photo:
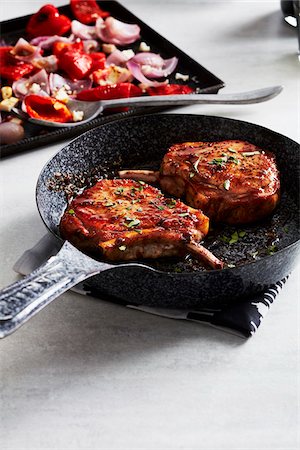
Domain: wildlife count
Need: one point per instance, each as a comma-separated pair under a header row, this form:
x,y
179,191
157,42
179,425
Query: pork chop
x,y
231,181
128,220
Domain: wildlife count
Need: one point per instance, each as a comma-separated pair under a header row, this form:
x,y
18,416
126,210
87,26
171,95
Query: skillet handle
x,y
23,299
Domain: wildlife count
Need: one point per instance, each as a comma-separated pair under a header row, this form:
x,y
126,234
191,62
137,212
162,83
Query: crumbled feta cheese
x,y
35,88
6,92
109,48
61,95
77,115
144,47
8,103
128,54
180,76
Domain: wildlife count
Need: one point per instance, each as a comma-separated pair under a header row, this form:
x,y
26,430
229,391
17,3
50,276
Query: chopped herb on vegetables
x,y
108,204
184,214
119,191
71,211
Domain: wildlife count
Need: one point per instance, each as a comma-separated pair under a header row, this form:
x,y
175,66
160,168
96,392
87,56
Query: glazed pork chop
x,y
231,181
127,220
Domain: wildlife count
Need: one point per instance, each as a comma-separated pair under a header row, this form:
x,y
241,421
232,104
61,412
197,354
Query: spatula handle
x,y
23,299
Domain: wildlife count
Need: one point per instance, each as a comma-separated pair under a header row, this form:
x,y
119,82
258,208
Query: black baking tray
x,y
200,79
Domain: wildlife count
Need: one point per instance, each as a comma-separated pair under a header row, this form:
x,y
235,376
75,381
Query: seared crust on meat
x,y
126,220
230,181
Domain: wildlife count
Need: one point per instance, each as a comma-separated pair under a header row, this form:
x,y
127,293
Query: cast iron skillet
x,y
261,254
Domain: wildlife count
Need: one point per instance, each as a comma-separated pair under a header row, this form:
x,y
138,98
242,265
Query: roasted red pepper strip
x,y
47,108
111,91
48,22
59,47
12,68
170,89
75,64
98,60
87,11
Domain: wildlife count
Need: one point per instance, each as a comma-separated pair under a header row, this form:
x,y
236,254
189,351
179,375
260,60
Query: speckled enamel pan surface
x,y
142,142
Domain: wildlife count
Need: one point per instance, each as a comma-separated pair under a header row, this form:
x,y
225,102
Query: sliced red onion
x,y
114,31
83,31
22,86
136,71
167,68
57,82
25,51
46,42
118,58
49,63
90,45
149,59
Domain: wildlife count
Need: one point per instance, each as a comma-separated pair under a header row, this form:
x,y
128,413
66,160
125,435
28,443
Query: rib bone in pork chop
x,y
230,181
127,220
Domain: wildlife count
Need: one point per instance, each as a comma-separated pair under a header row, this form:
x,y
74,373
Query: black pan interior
x,y
141,143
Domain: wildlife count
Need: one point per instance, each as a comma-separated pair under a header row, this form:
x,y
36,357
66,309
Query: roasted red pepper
x,y
48,22
170,89
59,47
98,60
75,64
12,68
87,11
47,108
111,91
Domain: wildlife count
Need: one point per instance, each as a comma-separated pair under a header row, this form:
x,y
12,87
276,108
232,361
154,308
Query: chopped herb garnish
x,y
132,223
171,204
250,153
141,182
234,238
230,149
71,211
128,208
218,161
286,229
108,204
184,214
272,249
137,230
227,185
233,159
122,248
119,191
242,233
195,165
140,209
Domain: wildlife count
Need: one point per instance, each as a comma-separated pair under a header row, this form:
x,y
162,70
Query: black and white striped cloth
x,y
242,319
